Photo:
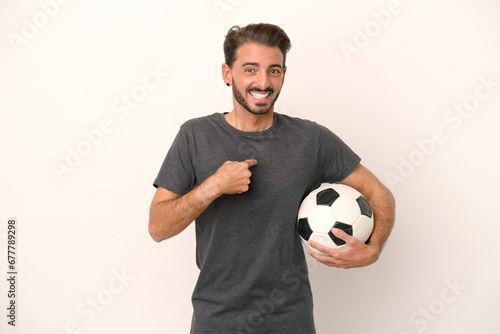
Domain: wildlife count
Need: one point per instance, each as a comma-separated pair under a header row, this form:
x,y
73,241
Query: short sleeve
x,y
177,173
336,160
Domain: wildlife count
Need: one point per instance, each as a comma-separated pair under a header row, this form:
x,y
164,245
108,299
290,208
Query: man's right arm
x,y
171,213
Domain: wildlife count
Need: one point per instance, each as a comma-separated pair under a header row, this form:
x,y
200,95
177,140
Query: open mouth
x,y
260,96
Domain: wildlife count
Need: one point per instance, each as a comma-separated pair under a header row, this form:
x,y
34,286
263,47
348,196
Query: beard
x,y
260,108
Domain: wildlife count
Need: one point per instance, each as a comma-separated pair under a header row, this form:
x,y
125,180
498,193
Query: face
x,y
257,76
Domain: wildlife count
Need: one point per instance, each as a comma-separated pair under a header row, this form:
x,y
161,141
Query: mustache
x,y
255,89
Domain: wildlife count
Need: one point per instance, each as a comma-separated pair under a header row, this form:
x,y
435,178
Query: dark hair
x,y
261,33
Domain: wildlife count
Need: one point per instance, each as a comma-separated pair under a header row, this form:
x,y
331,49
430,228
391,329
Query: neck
x,y
248,122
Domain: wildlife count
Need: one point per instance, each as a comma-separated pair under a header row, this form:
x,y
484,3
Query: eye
x,y
275,72
249,70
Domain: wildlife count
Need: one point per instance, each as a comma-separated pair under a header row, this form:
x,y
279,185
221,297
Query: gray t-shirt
x,y
253,274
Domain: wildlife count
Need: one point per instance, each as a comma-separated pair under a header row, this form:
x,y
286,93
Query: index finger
x,y
251,162
321,249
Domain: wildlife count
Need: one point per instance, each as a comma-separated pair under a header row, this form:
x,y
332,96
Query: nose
x,y
262,80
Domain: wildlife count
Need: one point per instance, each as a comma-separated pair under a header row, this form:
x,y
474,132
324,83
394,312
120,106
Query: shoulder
x,y
201,122
297,122
312,132
304,126
201,126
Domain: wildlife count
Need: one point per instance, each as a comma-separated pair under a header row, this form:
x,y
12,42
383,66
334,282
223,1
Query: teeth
x,y
259,96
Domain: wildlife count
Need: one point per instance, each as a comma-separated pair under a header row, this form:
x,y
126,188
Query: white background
x,y
65,69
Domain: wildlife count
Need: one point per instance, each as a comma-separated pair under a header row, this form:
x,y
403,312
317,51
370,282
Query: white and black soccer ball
x,y
334,205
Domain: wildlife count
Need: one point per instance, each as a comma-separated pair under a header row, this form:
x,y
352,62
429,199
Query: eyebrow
x,y
258,65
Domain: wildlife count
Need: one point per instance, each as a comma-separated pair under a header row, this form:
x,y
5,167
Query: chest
x,y
284,162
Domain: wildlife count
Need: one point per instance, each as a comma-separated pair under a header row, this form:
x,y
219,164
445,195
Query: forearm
x,y
170,217
356,253
170,214
383,206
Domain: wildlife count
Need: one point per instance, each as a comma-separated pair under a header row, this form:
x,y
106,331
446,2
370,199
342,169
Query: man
x,y
241,177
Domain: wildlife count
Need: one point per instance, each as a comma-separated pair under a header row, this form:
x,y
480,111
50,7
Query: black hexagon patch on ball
x,y
341,226
304,229
364,206
327,197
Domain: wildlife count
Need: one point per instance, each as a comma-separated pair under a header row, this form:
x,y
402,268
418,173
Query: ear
x,y
283,78
226,74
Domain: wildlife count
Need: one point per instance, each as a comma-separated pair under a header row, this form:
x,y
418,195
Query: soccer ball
x,y
334,205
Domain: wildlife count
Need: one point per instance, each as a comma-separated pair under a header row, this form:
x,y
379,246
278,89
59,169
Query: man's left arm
x,y
356,253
